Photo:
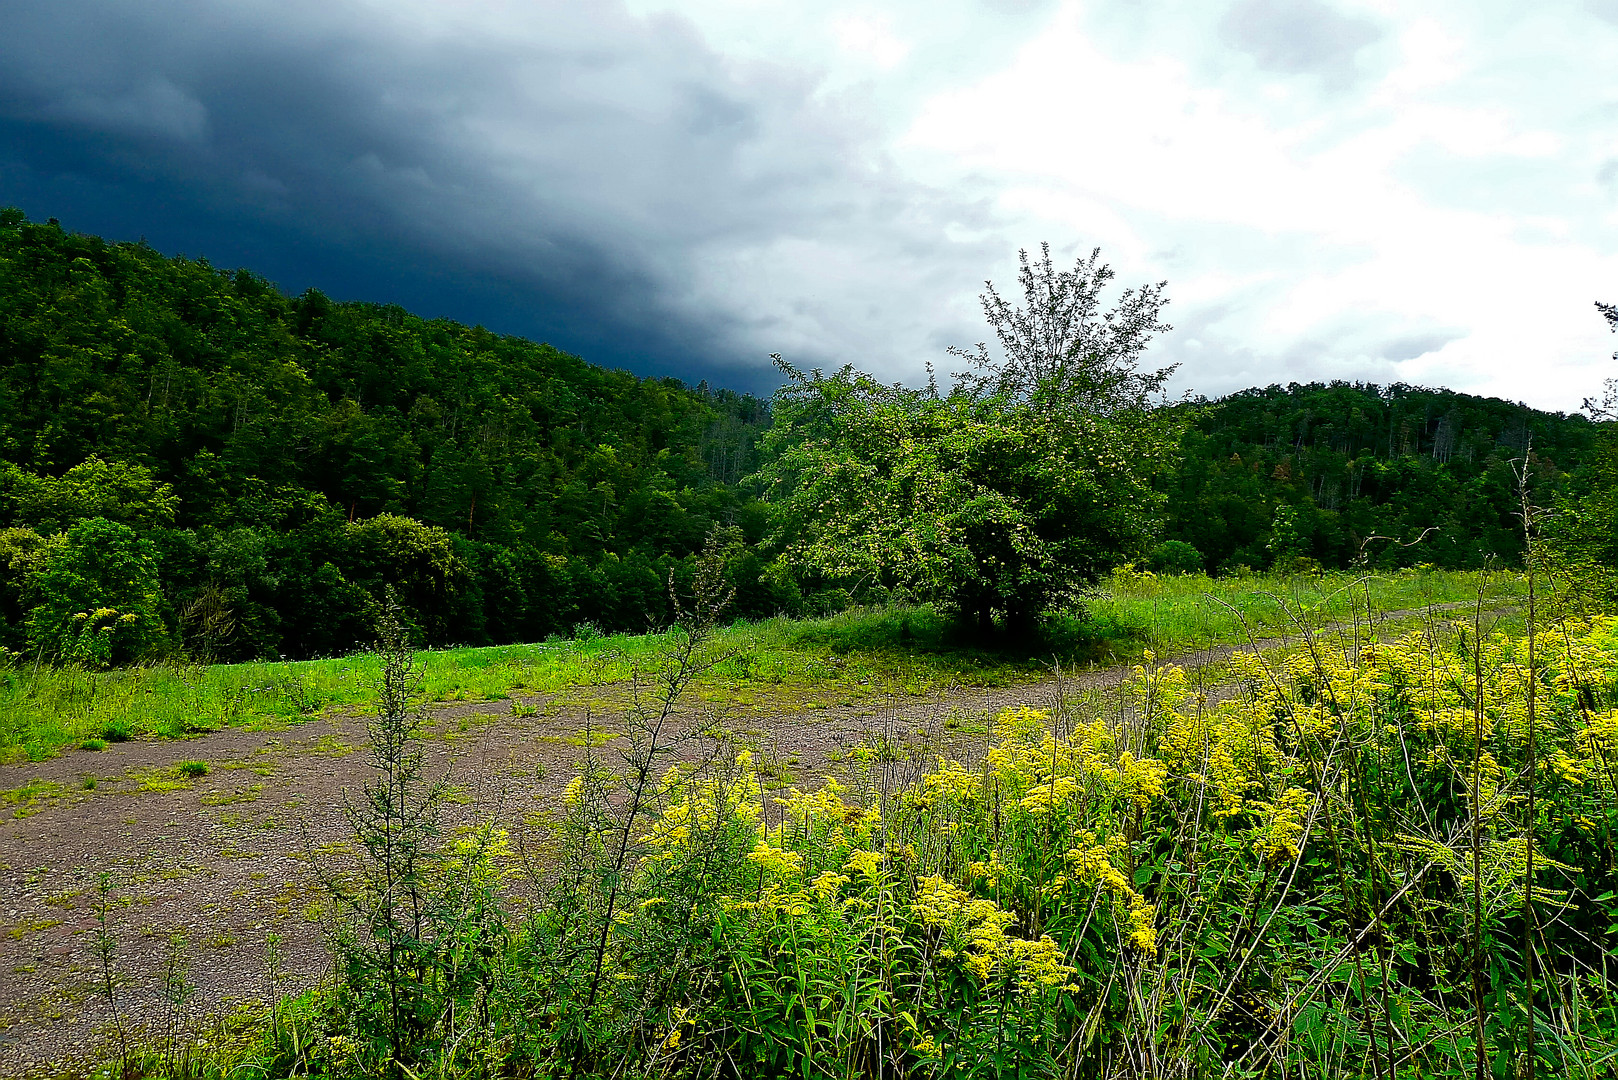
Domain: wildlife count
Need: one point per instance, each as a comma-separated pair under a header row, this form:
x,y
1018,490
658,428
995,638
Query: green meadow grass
x,y
1133,612
799,663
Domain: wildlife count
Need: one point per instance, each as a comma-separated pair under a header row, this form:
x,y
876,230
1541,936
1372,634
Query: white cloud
x,y
1430,204
871,37
1387,189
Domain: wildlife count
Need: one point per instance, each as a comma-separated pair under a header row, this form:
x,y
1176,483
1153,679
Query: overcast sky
x,y
1375,189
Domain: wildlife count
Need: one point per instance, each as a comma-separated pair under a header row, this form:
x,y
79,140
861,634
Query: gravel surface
x,y
224,859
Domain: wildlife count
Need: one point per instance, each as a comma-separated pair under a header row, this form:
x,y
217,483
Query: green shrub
x,y
96,596
1176,557
192,769
93,744
1169,876
118,731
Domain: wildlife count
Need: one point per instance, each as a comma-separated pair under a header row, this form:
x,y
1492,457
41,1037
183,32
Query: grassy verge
x,y
1135,612
856,654
1322,874
847,657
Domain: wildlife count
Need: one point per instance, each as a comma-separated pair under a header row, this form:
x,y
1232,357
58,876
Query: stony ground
x,y
224,859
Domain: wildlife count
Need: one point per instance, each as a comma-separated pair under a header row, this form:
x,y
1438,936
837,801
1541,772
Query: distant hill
x,y
1344,462
263,465
558,492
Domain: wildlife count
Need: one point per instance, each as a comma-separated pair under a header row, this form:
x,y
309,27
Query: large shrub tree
x,y
1007,494
96,597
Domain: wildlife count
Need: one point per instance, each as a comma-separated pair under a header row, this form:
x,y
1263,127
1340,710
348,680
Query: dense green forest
x,y
1315,470
264,463
194,460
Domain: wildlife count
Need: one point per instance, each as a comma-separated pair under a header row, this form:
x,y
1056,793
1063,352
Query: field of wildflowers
x,y
1364,857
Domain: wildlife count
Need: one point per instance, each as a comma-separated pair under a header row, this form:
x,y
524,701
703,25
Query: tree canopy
x,y
286,456
1004,497
1060,350
1351,462
244,471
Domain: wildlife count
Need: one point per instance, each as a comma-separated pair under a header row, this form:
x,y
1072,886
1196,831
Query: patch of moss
x,y
28,797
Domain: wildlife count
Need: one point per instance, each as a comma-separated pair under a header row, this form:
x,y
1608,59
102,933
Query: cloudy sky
x,y
1368,189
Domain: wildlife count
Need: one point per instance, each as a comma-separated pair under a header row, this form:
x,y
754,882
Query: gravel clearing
x,y
223,858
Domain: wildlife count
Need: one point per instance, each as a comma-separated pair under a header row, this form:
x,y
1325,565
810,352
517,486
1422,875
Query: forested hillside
x,y
191,460
264,464
1315,471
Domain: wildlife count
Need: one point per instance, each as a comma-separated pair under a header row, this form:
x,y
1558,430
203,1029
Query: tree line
x,y
1339,474
191,460
243,471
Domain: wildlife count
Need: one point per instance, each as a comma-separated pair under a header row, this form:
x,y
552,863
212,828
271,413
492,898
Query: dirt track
x,y
223,859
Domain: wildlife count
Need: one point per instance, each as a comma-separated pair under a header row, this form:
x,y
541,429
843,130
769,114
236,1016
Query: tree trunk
x,y
1020,624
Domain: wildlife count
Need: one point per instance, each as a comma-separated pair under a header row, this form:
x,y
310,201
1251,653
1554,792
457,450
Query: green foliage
x,y
853,656
115,491
1327,871
1358,471
1176,557
1135,611
1006,496
94,599
288,456
1060,350
402,941
421,563
1584,532
981,507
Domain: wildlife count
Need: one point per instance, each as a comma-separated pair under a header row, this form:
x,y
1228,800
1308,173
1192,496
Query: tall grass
x,y
1303,876
857,654
1171,613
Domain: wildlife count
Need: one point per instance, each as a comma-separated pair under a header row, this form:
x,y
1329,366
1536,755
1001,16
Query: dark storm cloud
x,y
570,172
1298,37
